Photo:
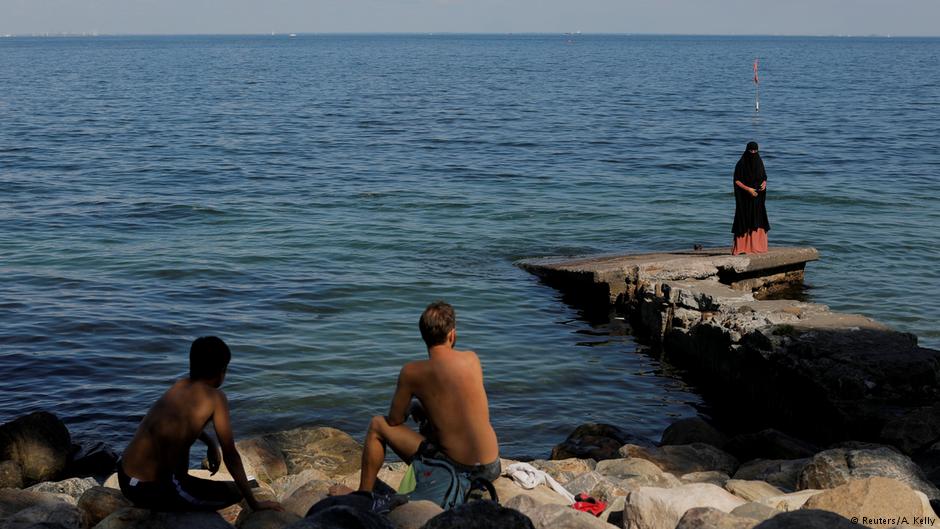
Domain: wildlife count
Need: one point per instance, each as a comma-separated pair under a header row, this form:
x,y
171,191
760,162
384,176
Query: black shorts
x,y
178,493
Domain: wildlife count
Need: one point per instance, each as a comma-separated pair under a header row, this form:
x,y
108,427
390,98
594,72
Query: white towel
x,y
530,477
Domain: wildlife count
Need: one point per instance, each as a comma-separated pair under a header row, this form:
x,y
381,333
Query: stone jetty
x,y
758,357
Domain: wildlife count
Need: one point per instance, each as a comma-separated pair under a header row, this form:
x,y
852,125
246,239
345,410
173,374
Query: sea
x,y
305,198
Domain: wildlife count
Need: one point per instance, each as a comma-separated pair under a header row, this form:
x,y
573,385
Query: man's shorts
x,y
178,493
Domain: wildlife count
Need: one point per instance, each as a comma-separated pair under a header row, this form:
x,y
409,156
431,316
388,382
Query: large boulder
x,y
96,460
414,514
564,470
693,430
562,517
284,486
752,490
832,468
875,499
595,441
73,487
807,519
333,451
262,459
508,489
709,518
21,509
134,518
39,442
11,475
791,501
781,473
100,502
268,520
343,517
655,508
596,485
913,430
684,459
300,501
755,511
480,515
769,444
711,476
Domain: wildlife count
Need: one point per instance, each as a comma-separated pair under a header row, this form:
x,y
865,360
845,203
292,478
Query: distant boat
x,y
292,35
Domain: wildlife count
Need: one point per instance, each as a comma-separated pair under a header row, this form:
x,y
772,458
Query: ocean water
x,y
305,198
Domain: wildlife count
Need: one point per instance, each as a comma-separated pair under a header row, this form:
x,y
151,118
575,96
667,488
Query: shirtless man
x,y
449,386
153,472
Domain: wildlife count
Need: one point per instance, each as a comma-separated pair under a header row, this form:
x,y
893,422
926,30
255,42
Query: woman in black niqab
x,y
750,215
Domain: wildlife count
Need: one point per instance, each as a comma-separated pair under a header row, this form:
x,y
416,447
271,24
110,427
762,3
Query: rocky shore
x,y
695,477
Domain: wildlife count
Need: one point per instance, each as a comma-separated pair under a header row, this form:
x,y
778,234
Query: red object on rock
x,y
585,503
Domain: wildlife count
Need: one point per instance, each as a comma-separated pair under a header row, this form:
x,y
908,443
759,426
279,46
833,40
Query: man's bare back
x,y
449,386
160,446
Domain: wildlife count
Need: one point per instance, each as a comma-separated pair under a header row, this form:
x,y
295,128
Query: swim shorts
x,y
178,493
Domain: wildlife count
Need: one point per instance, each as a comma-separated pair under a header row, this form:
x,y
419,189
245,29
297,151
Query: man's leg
x,y
403,441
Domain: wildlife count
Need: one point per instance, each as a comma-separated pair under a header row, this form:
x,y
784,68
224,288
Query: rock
x,y
596,485
13,501
322,448
342,517
304,497
112,482
769,444
913,430
791,501
693,430
755,511
96,460
285,486
73,487
390,474
613,514
709,518
480,515
807,519
414,514
561,517
507,489
268,520
11,475
655,508
564,470
99,502
54,516
262,459
684,459
633,473
781,473
712,476
39,443
836,467
752,490
875,498
595,441
134,518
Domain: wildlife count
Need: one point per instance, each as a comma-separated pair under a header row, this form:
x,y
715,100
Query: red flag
x,y
756,79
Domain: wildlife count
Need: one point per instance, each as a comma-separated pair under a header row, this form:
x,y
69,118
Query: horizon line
x,y
433,33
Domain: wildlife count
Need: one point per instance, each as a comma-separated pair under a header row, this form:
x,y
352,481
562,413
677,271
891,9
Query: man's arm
x,y
233,462
213,453
398,411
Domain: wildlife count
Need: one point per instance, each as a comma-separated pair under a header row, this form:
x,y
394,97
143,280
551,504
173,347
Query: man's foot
x,y
338,490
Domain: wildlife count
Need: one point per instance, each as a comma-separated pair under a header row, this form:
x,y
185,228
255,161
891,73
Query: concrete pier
x,y
773,362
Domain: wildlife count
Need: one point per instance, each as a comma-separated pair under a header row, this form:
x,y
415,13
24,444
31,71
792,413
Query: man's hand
x,y
267,506
213,458
753,192
763,185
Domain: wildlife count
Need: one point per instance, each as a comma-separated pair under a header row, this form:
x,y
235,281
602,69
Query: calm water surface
x,y
305,199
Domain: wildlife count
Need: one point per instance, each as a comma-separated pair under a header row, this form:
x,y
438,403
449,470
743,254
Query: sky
x,y
698,17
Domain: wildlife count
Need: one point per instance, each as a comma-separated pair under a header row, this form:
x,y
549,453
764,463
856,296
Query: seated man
x,y
449,386
153,472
